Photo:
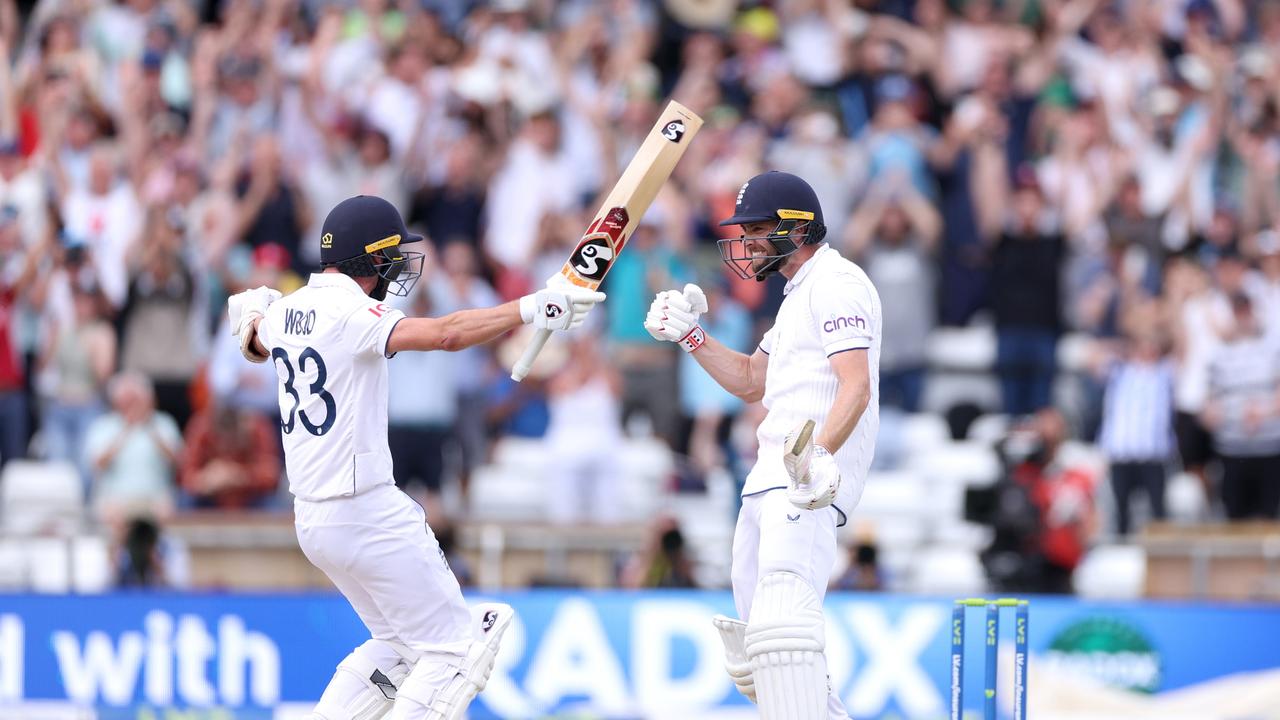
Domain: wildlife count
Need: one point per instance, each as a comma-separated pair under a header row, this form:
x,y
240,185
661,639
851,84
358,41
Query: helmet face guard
x,y
397,271
735,252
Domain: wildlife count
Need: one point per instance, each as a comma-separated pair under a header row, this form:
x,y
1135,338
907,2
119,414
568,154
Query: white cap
x,y
1163,100
1195,72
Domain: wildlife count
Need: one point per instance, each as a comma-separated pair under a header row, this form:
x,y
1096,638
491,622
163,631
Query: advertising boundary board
x,y
608,654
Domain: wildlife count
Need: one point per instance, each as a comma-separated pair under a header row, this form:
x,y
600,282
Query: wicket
x,y
1021,621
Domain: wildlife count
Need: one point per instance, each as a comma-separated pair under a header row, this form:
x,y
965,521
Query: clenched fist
x,y
673,317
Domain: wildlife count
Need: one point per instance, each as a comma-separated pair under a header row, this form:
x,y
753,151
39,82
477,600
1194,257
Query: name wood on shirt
x,y
299,322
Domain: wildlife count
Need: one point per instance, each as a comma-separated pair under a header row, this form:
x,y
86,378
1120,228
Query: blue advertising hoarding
x,y
609,654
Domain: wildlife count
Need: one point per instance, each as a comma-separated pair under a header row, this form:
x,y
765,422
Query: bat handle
x,y
525,363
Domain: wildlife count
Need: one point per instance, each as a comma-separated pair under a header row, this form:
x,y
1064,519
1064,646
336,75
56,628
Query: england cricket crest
x,y
598,248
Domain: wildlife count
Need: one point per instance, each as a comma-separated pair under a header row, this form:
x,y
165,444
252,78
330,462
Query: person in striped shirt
x,y
1137,424
1243,415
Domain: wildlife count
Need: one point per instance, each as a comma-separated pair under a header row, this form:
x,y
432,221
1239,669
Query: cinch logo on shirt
x,y
298,322
855,321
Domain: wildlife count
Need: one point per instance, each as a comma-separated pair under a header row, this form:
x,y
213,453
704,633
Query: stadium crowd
x,y
1041,167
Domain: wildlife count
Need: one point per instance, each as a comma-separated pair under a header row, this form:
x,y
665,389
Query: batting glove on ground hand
x,y
242,309
673,317
813,478
561,305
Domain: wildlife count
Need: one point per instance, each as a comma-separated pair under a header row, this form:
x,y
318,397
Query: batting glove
x,y
813,478
242,309
673,317
561,305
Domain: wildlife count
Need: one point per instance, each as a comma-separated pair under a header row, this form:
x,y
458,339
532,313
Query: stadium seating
x,y
964,463
55,564
1114,572
940,570
40,498
989,428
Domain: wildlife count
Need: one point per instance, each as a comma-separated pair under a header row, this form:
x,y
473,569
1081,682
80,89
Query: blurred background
x,y
1069,207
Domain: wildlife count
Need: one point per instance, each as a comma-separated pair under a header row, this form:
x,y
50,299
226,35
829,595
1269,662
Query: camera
x,y
1023,446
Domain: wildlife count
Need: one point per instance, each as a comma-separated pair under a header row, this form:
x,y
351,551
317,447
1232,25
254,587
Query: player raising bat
x,y
817,371
330,340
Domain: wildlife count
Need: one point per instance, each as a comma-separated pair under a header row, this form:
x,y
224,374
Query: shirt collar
x,y
805,269
334,280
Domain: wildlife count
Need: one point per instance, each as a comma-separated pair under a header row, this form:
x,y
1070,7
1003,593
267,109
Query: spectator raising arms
x,y
893,235
81,355
1026,261
17,271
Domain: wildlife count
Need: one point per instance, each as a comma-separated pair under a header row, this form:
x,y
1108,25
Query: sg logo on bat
x,y
673,130
592,258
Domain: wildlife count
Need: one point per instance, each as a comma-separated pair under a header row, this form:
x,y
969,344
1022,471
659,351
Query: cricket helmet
x,y
779,197
362,236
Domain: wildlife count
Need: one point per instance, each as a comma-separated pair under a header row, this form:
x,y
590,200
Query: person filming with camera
x,y
1045,512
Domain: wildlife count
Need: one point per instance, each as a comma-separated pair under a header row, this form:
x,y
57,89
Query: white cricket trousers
x,y
773,535
378,550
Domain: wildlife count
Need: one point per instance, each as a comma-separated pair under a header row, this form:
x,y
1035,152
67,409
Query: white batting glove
x,y
813,478
673,317
561,305
242,309
736,662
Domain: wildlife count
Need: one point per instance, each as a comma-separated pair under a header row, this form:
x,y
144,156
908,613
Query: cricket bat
x,y
618,217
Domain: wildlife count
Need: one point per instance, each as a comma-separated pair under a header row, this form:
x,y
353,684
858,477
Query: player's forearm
x,y
851,401
455,331
730,368
466,328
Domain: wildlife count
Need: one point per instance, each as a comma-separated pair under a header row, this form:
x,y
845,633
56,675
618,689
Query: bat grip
x,y
525,363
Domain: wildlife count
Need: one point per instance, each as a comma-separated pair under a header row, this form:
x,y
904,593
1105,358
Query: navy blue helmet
x,y
778,197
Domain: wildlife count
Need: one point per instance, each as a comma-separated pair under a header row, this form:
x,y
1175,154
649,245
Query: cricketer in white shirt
x,y
429,654
817,373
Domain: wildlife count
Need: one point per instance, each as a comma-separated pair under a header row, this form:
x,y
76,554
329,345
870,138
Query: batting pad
x,y
736,662
364,685
443,687
784,641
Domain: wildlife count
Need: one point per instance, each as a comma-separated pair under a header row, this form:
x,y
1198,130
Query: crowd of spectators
x,y
1043,167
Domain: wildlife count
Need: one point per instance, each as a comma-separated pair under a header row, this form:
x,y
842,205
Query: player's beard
x,y
762,257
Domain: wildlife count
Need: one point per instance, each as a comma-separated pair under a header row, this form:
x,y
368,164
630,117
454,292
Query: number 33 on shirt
x,y
328,342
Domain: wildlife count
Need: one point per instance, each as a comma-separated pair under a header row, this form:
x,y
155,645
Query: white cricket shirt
x,y
328,342
830,307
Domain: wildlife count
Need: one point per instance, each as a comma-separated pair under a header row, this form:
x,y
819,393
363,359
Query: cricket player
x,y
817,371
429,655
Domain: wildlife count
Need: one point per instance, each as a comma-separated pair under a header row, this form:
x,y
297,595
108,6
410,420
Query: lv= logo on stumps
x,y
991,641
